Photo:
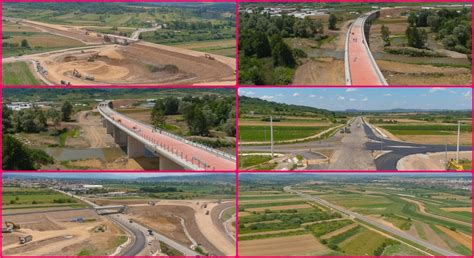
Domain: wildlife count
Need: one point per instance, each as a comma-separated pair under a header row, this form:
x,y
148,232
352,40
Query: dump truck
x,y
207,56
25,239
89,77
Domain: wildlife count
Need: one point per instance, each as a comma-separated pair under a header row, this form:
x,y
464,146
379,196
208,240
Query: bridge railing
x,y
176,137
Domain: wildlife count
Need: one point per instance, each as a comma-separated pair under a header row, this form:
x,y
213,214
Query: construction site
x,y
107,226
105,59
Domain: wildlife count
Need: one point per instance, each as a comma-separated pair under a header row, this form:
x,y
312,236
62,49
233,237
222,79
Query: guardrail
x,y
171,135
346,59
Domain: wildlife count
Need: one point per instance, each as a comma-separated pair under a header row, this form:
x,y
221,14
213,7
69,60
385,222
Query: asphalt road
x,y
400,149
353,151
399,233
138,239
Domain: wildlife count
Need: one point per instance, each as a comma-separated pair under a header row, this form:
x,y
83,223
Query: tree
x,y
24,44
261,45
158,116
385,35
332,22
15,155
66,111
55,117
416,37
7,121
229,127
171,105
282,54
434,22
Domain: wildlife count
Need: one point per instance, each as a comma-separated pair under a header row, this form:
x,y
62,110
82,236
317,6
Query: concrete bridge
x,y
173,152
360,66
110,209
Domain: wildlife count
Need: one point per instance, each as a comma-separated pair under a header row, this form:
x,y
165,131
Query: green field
x,y
18,73
252,160
280,133
22,198
426,129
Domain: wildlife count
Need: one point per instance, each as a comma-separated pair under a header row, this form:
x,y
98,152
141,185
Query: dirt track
x,y
54,234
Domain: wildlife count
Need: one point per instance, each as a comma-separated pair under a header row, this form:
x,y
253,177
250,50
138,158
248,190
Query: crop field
x,y
280,133
312,230
445,214
225,47
426,129
26,198
18,73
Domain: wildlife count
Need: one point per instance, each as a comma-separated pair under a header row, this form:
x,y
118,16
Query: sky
x,y
340,99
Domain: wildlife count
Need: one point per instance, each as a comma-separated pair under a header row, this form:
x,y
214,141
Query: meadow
x,y
18,73
23,198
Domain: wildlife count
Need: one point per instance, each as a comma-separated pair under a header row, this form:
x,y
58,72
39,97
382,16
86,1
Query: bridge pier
x,y
167,164
109,126
120,137
135,148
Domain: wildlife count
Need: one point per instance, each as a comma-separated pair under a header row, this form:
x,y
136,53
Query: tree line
x,y
452,27
261,38
200,113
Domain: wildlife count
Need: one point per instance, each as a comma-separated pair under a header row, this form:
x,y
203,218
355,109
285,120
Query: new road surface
x,y
353,151
185,151
362,69
374,223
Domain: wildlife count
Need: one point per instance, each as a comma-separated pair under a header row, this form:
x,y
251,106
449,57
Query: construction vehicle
x,y
101,228
76,73
207,212
209,57
12,225
152,203
93,57
347,130
89,77
205,206
150,232
454,166
130,220
25,239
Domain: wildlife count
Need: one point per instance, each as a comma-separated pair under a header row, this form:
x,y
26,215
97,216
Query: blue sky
x,y
366,98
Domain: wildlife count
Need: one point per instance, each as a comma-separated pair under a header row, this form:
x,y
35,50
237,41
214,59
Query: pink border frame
x,y
235,88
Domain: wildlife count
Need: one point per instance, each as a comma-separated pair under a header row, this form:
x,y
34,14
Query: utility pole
x,y
240,157
271,134
457,148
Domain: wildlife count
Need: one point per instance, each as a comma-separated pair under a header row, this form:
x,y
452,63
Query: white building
x,y
17,106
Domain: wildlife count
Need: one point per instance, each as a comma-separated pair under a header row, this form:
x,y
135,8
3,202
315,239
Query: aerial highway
x,y
186,153
360,66
353,151
374,223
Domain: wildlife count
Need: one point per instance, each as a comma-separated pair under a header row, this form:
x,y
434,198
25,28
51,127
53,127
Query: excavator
x,y
10,227
454,166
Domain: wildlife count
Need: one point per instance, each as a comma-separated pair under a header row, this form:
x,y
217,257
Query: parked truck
x,y
26,239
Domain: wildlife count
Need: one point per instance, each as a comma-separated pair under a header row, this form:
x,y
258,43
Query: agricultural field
x,y
225,47
18,74
428,128
14,198
438,212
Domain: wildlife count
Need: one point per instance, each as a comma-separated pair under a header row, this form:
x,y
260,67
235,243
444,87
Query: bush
x,y
283,75
413,52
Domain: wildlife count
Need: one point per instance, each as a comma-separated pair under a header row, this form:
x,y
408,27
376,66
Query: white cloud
x,y
387,94
467,94
340,98
280,95
296,94
435,89
312,96
267,97
351,90
365,99
245,92
352,99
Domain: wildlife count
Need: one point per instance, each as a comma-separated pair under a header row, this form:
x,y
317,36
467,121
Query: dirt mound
x,y
69,58
111,53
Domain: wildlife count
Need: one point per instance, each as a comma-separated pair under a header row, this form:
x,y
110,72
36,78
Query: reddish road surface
x,y
187,152
361,69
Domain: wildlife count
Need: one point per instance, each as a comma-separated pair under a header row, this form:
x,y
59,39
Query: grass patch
x,y
282,234
252,160
18,73
320,229
280,133
426,129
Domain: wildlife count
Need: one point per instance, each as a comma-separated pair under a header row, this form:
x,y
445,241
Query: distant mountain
x,y
403,110
260,106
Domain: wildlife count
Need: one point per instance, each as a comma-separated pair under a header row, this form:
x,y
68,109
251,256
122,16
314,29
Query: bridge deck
x,y
182,149
361,70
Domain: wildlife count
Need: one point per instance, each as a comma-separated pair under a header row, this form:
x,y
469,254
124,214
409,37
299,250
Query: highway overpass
x,y
360,66
173,152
